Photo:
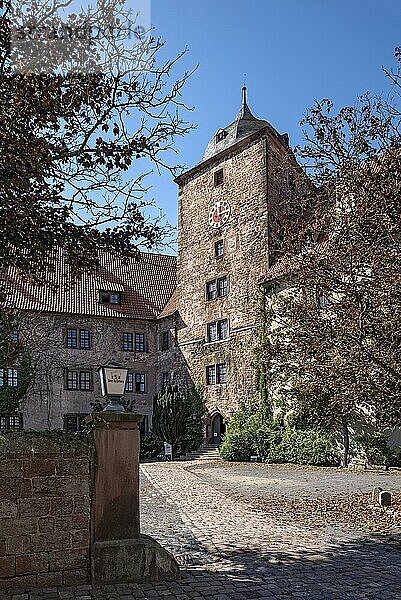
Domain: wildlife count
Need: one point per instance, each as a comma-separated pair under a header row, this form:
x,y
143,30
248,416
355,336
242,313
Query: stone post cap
x,y
114,420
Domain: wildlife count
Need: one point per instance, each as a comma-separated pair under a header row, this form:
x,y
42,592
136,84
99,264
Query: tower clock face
x,y
219,213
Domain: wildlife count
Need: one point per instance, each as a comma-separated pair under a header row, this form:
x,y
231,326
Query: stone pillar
x,y
115,503
120,553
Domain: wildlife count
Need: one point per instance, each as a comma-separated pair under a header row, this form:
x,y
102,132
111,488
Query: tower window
x,y
219,248
217,331
210,374
217,288
218,177
221,372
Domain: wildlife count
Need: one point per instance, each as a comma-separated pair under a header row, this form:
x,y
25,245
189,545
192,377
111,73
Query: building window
x,y
165,340
110,297
221,372
72,338
217,330
211,290
217,288
216,374
212,332
140,381
11,423
72,380
9,377
15,336
129,384
218,177
222,287
85,383
210,374
139,342
84,339
83,335
165,379
74,422
144,425
79,380
128,342
219,248
220,135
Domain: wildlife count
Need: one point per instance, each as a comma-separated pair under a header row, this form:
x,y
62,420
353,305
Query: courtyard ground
x,y
230,548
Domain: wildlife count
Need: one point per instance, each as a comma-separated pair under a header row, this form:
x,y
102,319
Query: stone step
x,y
202,454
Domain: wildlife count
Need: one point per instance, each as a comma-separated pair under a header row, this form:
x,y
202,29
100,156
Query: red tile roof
x,y
145,283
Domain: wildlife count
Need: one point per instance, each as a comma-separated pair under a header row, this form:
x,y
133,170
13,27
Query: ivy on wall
x,y
13,355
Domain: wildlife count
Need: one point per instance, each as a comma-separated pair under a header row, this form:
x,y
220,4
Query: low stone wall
x,y
44,509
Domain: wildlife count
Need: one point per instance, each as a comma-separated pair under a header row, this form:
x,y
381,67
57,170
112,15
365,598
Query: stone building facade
x,y
196,315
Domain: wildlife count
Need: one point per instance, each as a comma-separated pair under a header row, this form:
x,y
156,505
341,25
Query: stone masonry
x,y
44,510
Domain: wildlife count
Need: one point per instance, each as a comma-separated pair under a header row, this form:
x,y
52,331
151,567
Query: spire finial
x,y
244,93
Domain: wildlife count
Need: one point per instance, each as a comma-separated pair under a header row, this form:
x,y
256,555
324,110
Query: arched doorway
x,y
218,429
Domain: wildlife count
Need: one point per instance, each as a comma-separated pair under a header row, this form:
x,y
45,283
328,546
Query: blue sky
x,y
292,52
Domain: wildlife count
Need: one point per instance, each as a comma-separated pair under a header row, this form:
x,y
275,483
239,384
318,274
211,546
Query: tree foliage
x,y
178,418
334,348
74,144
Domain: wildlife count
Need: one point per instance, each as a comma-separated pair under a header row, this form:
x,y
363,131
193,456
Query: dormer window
x,y
110,297
220,135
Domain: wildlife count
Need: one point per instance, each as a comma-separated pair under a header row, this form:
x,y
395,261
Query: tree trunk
x,y
345,432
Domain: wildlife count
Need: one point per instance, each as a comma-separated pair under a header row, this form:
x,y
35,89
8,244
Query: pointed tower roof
x,y
244,125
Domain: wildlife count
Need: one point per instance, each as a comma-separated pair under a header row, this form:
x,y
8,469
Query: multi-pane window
x,y
221,373
222,287
74,421
219,248
140,382
211,374
78,380
72,338
15,336
128,341
11,423
85,380
78,339
84,339
9,377
216,373
165,378
133,341
165,340
139,342
217,288
217,330
110,297
218,177
129,384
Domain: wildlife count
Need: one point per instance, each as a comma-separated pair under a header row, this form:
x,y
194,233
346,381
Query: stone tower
x,y
225,208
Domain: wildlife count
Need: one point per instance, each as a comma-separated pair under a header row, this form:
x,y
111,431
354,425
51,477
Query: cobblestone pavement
x,y
228,552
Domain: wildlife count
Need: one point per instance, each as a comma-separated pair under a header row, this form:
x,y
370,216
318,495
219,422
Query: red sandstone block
x,y
77,577
26,581
80,538
39,466
61,506
7,566
46,524
8,508
70,466
18,544
32,563
15,487
41,542
10,468
72,522
82,505
49,579
33,507
69,559
17,527
60,486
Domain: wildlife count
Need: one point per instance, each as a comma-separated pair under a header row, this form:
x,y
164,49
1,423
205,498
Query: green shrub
x,y
273,441
151,446
378,452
